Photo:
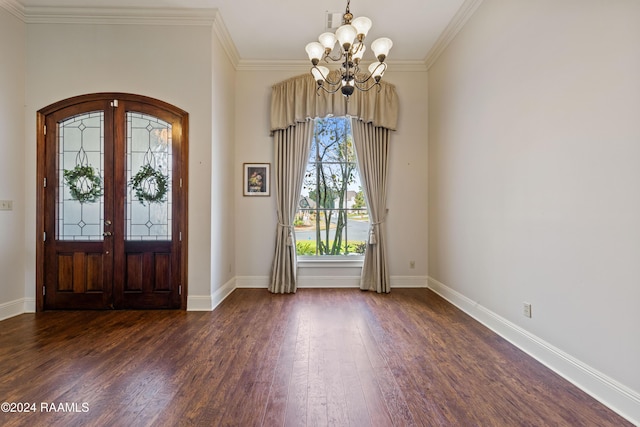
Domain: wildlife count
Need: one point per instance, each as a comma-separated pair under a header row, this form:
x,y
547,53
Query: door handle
x,y
107,222
106,233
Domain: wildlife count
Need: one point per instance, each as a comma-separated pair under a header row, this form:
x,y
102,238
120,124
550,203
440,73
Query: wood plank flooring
x,y
321,357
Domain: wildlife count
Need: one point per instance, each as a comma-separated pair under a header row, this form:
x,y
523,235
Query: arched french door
x,y
111,203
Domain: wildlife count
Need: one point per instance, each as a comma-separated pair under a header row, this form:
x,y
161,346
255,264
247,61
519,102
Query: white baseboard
x,y
303,282
29,305
259,282
327,282
611,393
210,302
332,281
409,282
12,308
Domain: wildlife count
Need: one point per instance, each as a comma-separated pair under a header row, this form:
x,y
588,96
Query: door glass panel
x,y
149,176
79,204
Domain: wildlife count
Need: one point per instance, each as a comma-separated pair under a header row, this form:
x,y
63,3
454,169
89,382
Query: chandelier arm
x,y
330,91
370,75
328,58
326,78
367,89
365,80
360,47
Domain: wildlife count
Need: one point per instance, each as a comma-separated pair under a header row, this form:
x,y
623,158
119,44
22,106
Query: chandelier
x,y
349,51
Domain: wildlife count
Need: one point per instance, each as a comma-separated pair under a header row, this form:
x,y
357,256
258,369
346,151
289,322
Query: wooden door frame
x,y
181,216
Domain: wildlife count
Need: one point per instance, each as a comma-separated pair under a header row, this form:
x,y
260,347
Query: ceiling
x,y
279,29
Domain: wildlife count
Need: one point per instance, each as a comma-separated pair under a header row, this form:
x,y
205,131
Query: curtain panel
x,y
291,156
295,100
372,152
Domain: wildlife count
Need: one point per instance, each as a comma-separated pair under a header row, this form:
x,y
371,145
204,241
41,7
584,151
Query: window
x,y
332,217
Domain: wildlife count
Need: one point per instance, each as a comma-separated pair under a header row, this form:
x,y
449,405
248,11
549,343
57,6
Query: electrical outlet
x,y
527,309
6,205
412,264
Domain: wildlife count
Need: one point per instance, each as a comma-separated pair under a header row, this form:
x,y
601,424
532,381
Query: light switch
x,y
6,205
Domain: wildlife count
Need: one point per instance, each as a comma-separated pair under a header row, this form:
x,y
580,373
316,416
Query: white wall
x,y
222,173
12,180
172,63
407,226
255,216
534,179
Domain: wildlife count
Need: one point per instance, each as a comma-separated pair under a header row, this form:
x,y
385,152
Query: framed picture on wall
x,y
256,179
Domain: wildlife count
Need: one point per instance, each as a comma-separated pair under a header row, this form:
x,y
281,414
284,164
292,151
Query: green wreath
x,y
84,185
149,185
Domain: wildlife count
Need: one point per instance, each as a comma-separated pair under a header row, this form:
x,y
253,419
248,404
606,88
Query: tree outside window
x,y
332,218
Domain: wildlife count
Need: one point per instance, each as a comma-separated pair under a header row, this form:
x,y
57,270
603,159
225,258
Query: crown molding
x,y
461,17
125,15
273,65
128,16
407,66
14,8
223,36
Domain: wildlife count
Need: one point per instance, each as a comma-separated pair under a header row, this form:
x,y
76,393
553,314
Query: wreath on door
x,y
85,185
149,183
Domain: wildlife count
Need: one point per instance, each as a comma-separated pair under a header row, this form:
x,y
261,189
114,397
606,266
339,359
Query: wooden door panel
x,y
65,273
80,272
134,279
162,266
150,280
94,269
77,282
148,272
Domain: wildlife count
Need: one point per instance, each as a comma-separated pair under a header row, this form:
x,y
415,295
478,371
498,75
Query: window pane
x,y
149,174
327,222
80,172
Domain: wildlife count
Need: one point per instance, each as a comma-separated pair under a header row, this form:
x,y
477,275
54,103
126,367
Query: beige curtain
x,y
291,157
296,100
372,149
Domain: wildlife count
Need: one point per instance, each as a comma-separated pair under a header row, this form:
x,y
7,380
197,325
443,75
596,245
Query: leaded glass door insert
x,y
80,177
149,170
112,209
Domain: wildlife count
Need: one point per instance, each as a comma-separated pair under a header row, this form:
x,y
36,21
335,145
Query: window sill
x,y
331,262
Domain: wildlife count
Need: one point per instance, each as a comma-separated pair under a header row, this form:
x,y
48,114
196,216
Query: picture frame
x,y
256,179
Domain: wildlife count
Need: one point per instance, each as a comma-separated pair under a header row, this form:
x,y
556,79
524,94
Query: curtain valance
x,y
295,100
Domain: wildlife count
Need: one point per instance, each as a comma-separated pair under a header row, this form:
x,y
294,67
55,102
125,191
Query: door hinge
x,y
44,129
180,290
44,290
180,182
114,103
44,184
44,236
180,236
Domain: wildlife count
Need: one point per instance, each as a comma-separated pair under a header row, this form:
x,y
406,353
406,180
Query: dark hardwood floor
x,y
319,357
